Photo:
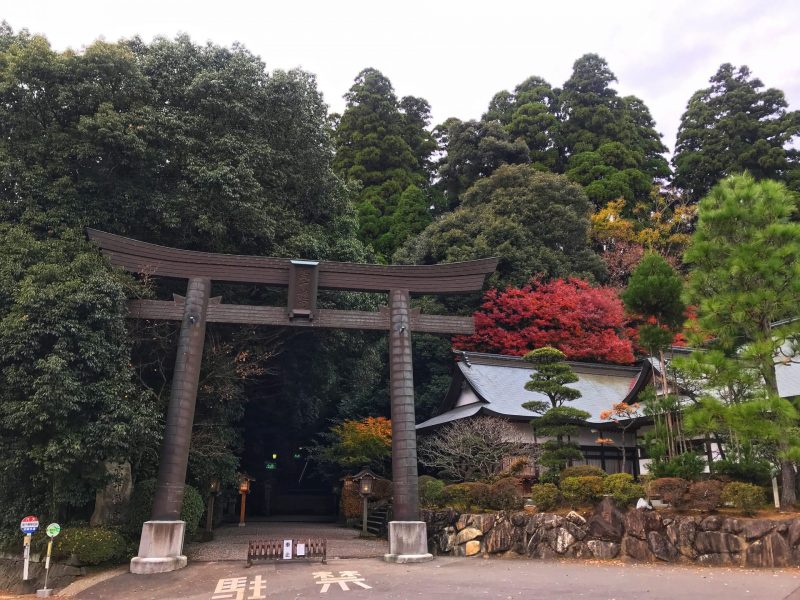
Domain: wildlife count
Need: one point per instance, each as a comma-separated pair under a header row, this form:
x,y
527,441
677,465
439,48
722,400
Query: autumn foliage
x,y
367,442
584,322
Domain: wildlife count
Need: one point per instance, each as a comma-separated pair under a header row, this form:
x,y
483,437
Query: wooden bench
x,y
272,550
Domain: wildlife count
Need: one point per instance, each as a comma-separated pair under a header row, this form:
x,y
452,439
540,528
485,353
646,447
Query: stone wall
x,y
11,575
638,535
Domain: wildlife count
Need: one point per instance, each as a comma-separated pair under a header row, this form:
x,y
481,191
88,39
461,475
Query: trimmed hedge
x,y
582,471
745,496
465,497
431,491
705,495
623,488
546,496
582,490
504,494
142,505
670,489
91,545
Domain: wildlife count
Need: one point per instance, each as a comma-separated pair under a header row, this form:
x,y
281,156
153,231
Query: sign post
x,y
52,531
28,525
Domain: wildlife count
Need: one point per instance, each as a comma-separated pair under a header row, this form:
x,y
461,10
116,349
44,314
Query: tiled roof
x,y
499,381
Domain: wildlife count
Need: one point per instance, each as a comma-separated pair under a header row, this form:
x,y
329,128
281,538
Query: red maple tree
x,y
584,322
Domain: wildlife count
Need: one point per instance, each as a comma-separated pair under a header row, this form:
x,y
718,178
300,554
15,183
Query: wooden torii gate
x,y
161,544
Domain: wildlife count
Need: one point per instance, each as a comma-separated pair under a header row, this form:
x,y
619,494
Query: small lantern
x,y
365,485
213,487
364,480
244,489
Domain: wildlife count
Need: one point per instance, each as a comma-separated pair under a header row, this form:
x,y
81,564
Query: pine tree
x,y
550,378
745,282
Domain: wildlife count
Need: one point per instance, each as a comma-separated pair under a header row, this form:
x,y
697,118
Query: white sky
x,y
457,54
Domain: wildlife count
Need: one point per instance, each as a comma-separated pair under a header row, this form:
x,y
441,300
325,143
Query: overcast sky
x,y
458,54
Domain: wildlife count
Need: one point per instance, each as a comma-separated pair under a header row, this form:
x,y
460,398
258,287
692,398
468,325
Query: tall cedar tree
x,y
383,144
605,142
501,216
745,278
550,378
736,125
583,321
608,144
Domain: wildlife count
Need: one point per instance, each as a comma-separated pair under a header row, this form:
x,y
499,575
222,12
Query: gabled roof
x,y
787,367
498,381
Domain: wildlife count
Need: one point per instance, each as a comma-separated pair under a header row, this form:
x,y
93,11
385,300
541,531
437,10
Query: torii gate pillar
x,y
161,544
408,536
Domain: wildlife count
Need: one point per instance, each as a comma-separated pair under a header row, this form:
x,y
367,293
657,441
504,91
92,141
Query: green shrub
x,y
745,496
431,491
582,490
91,545
685,466
192,510
623,488
141,507
465,497
704,495
582,471
504,494
670,489
757,472
546,496
550,476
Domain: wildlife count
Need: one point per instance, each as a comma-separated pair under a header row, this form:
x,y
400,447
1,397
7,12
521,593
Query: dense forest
x,y
198,146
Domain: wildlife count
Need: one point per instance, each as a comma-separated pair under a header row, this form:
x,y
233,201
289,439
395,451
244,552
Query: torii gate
x,y
161,544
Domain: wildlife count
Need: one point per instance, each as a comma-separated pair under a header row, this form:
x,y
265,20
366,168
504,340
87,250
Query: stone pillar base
x,y
160,548
408,542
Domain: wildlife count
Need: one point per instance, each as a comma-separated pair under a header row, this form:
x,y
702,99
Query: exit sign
x,y
271,465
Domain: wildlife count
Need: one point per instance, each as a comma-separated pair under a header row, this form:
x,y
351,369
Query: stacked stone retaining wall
x,y
638,535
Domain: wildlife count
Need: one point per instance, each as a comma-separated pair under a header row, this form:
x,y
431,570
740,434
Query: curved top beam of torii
x,y
303,278
141,257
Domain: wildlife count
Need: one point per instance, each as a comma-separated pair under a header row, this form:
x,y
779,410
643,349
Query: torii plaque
x,y
161,545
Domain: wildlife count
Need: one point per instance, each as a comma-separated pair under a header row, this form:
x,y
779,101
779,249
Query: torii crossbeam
x,y
160,548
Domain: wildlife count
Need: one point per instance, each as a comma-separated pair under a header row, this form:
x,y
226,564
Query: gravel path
x,y
230,541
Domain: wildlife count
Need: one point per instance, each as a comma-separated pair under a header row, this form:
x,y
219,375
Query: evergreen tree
x,y
736,125
745,281
654,295
68,402
532,118
607,143
382,143
218,155
502,216
474,150
550,377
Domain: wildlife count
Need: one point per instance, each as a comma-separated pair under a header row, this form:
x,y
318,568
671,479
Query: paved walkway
x,y
452,579
230,541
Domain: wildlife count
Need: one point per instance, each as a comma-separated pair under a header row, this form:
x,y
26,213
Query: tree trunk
x,y
624,455
788,477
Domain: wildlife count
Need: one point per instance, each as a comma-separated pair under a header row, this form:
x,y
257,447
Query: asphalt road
x,y
507,579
